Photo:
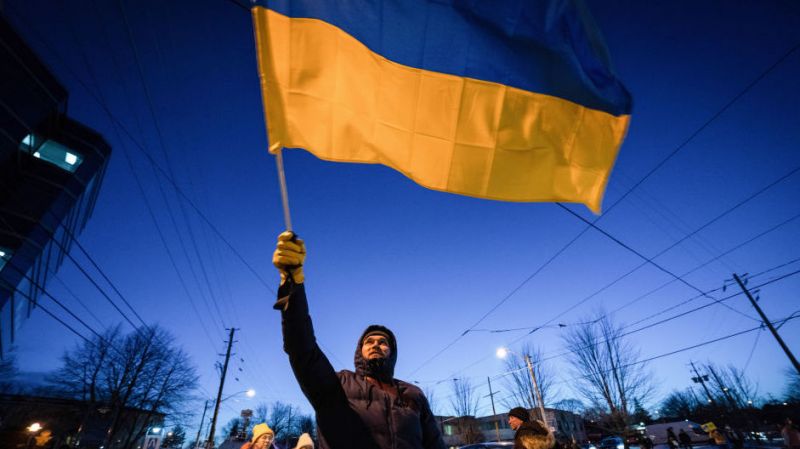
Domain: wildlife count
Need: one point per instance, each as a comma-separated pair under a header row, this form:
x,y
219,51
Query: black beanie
x,y
521,413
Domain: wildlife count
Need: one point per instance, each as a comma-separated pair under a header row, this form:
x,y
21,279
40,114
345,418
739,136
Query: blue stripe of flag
x,y
545,46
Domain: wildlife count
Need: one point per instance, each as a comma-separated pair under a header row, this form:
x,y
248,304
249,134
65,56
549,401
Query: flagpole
x,y
287,217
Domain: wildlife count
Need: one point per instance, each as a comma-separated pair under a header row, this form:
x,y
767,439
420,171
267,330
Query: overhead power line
x,y
649,260
782,321
564,353
657,167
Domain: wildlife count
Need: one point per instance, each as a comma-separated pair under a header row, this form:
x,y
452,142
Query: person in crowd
x,y
718,438
790,434
304,442
672,439
363,409
645,442
684,439
529,433
262,437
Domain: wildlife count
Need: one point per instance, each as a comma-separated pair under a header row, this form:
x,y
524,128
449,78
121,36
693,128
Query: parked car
x,y
489,445
612,443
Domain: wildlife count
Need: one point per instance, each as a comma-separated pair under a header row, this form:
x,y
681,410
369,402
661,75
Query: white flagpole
x,y
287,217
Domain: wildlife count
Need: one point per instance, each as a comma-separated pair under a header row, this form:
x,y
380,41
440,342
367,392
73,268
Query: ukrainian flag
x,y
511,100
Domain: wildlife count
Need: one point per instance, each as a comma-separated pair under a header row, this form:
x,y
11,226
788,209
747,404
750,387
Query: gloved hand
x,y
289,257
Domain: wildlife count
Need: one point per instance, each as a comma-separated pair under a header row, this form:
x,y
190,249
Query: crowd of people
x,y
263,438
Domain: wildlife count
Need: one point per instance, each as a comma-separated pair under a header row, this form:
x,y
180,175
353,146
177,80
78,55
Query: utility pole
x,y
536,389
768,323
494,412
702,381
210,442
200,429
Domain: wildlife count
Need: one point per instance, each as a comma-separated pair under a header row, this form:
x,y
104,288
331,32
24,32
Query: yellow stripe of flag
x,y
326,92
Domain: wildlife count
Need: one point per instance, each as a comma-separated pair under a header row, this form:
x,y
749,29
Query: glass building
x,y
51,168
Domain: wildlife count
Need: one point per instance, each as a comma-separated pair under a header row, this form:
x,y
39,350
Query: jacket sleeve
x,y
311,368
431,437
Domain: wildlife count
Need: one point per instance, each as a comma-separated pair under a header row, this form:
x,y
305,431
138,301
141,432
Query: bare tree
x,y
283,420
570,405
679,405
140,371
430,395
730,386
233,428
261,413
306,424
519,383
792,385
609,372
175,438
464,402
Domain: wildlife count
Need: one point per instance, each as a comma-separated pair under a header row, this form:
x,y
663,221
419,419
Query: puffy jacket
x,y
533,435
351,411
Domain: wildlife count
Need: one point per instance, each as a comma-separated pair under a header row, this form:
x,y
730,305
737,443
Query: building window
x,y
52,152
5,256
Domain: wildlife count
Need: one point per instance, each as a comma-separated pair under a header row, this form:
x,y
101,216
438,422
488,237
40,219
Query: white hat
x,y
304,441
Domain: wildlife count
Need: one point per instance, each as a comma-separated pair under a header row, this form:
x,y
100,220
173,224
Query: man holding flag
x,y
511,100
365,409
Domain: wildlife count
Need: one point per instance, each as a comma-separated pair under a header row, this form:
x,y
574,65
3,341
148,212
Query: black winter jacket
x,y
352,413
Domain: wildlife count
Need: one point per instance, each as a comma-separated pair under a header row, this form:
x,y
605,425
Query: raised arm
x,y
313,371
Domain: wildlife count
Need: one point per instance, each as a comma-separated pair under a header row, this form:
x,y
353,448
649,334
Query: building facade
x,y
51,168
566,425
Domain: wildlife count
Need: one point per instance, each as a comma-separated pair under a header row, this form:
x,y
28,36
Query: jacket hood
x,y
381,369
534,435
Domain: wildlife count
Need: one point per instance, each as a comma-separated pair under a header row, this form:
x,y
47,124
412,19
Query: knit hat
x,y
376,331
304,441
261,429
520,413
380,368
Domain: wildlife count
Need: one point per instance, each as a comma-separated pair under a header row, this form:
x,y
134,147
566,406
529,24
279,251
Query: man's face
x,y
514,422
375,347
263,441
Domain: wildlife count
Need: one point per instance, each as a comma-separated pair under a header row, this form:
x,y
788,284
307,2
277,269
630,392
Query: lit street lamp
x,y
32,429
503,353
249,393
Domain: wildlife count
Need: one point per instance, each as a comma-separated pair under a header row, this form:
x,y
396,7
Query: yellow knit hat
x,y
261,429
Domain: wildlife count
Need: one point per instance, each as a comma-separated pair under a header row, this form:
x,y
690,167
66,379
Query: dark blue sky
x,y
427,264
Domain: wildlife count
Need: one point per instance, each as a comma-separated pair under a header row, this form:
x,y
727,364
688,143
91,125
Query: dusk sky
x,y
714,139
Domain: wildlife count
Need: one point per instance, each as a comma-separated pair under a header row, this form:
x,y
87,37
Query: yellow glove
x,y
289,257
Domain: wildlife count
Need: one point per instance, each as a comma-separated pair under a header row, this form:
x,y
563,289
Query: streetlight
x,y
503,353
249,393
210,441
32,429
